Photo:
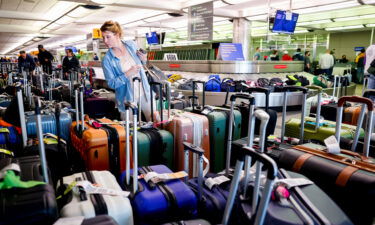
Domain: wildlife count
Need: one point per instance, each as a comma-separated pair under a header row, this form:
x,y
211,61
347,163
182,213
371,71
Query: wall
x,y
344,43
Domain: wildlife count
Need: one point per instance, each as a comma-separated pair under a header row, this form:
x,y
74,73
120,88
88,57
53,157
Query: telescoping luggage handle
x,y
287,89
139,97
233,98
264,90
203,93
271,168
319,106
160,101
188,147
133,107
79,109
370,108
42,151
21,114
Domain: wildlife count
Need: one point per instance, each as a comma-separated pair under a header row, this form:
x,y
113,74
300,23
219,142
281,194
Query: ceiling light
x,y
157,18
370,25
105,2
64,20
134,24
301,31
218,4
347,18
234,2
313,22
333,6
344,28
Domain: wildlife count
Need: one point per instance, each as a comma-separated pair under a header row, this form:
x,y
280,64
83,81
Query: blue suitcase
x,y
49,124
158,203
9,138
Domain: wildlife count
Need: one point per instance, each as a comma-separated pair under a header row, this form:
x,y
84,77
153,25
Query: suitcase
x,y
101,148
91,205
98,107
97,220
347,178
9,138
218,120
31,202
156,203
185,126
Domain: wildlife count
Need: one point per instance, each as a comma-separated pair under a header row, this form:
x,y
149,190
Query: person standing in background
x,y
286,57
96,58
297,56
326,62
274,56
360,61
343,59
307,62
257,54
370,57
25,62
45,59
70,62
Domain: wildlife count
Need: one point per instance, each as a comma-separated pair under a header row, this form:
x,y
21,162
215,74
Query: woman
x,y
121,64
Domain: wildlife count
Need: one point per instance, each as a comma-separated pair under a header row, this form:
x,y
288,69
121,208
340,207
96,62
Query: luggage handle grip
x,y
132,106
152,83
314,87
196,150
243,96
203,94
368,93
193,148
357,99
294,88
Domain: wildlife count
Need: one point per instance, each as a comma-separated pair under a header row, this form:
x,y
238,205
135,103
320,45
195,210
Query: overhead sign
x,y
96,33
200,22
230,52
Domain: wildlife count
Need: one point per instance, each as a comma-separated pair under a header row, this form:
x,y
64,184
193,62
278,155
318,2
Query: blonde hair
x,y
112,26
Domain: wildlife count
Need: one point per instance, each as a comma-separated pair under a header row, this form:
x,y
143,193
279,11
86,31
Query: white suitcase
x,y
91,205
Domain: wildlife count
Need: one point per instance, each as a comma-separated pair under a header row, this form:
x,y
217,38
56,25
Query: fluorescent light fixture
x,y
313,22
53,26
65,20
259,28
134,24
258,17
347,18
218,4
105,2
301,31
263,35
223,22
370,25
157,18
234,2
78,12
333,6
344,28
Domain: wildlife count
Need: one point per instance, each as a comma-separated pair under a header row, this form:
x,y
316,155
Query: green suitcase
x,y
218,119
155,147
327,129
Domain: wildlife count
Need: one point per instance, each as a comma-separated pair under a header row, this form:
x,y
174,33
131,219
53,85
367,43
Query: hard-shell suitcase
x,y
9,138
155,203
348,178
91,205
32,203
97,220
98,107
101,148
218,120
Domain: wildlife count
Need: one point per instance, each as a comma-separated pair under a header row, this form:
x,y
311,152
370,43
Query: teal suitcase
x,y
218,119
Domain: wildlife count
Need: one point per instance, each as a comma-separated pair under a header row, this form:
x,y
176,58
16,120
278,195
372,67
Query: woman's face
x,y
110,39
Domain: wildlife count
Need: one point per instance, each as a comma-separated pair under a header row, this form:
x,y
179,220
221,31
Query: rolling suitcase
x,y
97,220
155,202
112,202
314,129
348,178
27,202
218,120
101,148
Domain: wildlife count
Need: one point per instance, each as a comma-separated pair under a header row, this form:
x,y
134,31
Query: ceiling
x,y
26,23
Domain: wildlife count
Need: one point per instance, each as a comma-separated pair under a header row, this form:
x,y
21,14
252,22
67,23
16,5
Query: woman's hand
x,y
142,56
134,70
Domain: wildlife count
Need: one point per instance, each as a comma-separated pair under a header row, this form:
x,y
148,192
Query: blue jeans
x,y
360,74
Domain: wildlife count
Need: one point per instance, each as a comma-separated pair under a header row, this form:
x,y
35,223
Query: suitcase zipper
x,y
97,199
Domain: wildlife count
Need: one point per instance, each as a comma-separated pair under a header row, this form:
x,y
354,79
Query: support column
x,y
241,34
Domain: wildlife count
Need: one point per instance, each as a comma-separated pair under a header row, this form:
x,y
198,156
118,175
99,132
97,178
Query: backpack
x,y
263,82
187,85
227,83
276,82
303,80
322,81
213,83
292,80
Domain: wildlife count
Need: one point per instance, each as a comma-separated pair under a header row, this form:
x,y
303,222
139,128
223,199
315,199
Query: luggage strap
x,y
157,147
97,200
363,165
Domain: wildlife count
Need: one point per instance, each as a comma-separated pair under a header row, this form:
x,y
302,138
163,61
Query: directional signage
x,y
200,22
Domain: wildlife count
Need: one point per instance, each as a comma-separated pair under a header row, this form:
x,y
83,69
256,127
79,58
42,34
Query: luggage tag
x,y
155,177
77,220
333,146
211,182
96,189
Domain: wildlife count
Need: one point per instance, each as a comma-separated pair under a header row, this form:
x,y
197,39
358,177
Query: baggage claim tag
x,y
211,182
158,177
93,189
333,146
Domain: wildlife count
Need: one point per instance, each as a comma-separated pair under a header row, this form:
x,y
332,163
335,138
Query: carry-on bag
x,y
155,202
347,177
27,202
